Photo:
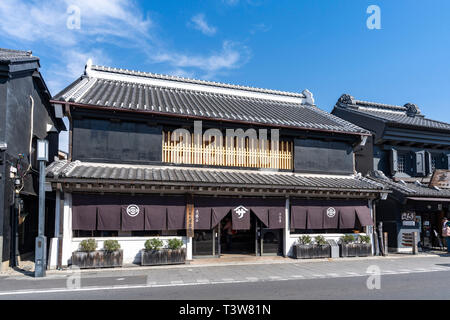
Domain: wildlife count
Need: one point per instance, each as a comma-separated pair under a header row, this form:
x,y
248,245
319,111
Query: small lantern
x,y
42,150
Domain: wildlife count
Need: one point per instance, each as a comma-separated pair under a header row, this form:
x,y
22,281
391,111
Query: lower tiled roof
x,y
97,172
409,189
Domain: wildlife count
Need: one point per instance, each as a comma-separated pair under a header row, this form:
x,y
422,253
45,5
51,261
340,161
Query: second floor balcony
x,y
226,151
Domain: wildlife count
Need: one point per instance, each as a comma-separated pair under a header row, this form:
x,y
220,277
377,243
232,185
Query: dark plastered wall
x,y
364,157
319,156
2,166
15,120
18,115
124,141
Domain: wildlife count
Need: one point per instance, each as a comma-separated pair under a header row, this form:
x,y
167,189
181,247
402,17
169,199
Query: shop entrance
x,y
220,242
430,224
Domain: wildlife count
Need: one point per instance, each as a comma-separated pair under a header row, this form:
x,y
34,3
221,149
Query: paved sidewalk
x,y
28,271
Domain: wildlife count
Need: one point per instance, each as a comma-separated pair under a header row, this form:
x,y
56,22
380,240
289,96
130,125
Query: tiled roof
x,y
64,170
147,92
408,115
413,189
8,56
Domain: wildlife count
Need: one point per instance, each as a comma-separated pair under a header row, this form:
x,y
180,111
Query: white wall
x,y
131,246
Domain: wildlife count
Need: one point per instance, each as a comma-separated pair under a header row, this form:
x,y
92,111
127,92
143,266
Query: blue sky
x,y
322,45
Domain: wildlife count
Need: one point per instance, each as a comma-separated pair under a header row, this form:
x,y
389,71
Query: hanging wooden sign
x,y
190,220
440,179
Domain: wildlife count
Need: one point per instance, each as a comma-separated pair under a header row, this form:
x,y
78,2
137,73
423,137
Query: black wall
x,y
15,124
101,140
318,156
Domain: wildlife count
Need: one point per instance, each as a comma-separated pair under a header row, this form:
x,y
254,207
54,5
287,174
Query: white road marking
x,y
120,279
176,282
203,281
298,276
227,279
332,275
252,279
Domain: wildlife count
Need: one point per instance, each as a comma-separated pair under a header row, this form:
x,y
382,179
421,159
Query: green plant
x,y
154,244
174,244
305,239
320,240
348,238
111,245
88,245
364,239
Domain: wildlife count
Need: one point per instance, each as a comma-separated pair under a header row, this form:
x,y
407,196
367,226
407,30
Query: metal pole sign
x,y
41,240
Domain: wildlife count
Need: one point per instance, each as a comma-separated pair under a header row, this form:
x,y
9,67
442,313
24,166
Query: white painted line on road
x,y
439,268
120,279
227,279
334,275
275,277
318,275
203,281
298,276
353,273
252,279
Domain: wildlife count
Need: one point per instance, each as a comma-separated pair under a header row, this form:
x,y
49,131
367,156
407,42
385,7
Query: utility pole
x,y
41,240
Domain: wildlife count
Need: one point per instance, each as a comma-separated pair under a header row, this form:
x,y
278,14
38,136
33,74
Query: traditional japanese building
x,y
26,115
162,156
410,154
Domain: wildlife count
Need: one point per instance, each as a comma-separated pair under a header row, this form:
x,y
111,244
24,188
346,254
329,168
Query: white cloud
x,y
232,56
198,22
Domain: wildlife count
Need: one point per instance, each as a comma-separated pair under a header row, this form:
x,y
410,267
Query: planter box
x,y
163,256
97,259
355,249
312,251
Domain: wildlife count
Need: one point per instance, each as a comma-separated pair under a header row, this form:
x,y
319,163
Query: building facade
x,y
26,115
162,156
410,154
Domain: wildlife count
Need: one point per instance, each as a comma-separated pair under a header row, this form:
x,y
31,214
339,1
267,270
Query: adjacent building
x,y
410,154
161,156
26,115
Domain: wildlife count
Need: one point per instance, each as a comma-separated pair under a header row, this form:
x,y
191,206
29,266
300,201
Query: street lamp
x,y
41,240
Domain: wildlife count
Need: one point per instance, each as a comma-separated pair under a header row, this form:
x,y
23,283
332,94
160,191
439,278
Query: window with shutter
x,y
430,162
420,163
394,161
448,161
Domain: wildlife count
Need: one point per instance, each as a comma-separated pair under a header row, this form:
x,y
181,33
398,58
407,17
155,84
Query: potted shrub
x,y
306,249
112,254
303,247
155,254
323,248
365,247
355,246
88,256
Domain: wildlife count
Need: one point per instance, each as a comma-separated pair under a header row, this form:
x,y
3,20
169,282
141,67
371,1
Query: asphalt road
x,y
434,285
406,278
